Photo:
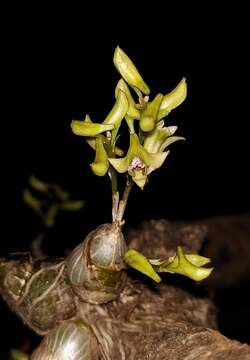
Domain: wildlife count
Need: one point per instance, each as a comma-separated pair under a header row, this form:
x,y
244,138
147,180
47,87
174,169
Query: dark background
x,y
57,66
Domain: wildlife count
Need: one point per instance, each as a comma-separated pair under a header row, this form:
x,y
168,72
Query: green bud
x,y
139,262
38,184
173,99
119,109
128,71
132,111
100,165
83,128
149,115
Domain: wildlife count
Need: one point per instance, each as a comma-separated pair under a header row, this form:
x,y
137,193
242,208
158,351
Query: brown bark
x,y
224,239
167,322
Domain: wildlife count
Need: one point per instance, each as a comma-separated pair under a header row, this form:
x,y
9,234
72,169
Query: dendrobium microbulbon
x,y
149,140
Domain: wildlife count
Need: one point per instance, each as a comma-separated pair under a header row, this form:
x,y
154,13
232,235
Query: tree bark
x,y
165,321
174,320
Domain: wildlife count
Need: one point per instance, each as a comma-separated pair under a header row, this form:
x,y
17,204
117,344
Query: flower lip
x,y
136,164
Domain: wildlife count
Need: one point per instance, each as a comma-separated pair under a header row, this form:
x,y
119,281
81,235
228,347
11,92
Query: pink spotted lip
x,y
136,164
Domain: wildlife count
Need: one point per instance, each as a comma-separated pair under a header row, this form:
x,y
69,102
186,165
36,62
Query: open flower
x,y
138,161
159,139
190,265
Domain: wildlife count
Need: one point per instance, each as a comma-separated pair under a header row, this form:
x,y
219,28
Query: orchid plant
x,y
149,140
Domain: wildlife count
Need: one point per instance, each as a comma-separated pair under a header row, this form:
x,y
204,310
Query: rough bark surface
x,y
173,320
167,322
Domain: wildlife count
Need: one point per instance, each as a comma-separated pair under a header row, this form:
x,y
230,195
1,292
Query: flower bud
x,y
128,71
149,115
173,99
119,109
132,112
100,165
139,262
83,128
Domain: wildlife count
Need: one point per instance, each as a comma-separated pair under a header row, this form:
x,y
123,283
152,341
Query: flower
x,y
190,265
100,165
138,161
87,128
128,71
132,111
148,117
173,99
159,139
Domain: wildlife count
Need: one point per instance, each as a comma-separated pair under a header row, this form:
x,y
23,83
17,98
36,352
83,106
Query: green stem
x,y
113,178
124,200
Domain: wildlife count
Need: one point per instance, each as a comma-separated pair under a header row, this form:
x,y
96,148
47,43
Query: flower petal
x,y
132,111
139,177
182,265
100,165
173,99
128,71
120,165
163,158
82,128
139,262
153,160
170,140
149,115
119,110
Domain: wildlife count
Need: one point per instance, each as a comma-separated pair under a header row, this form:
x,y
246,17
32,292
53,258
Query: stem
x,y
125,196
113,178
115,193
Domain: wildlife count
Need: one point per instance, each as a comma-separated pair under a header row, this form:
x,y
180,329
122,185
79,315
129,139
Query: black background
x,y
57,66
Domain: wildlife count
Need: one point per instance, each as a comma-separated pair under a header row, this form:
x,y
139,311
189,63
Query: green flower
x,y
159,139
138,261
173,99
100,165
190,265
117,114
87,128
138,161
132,110
128,71
148,117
